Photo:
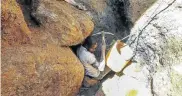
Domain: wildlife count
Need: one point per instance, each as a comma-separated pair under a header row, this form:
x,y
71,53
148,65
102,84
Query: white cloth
x,y
101,67
117,61
88,60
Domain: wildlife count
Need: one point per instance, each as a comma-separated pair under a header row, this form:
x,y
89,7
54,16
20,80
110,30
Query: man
x,y
93,68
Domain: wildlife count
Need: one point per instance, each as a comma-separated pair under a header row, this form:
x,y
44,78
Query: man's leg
x,y
88,82
101,76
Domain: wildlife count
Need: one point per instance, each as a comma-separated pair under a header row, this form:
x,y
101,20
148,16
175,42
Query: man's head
x,y
90,44
93,47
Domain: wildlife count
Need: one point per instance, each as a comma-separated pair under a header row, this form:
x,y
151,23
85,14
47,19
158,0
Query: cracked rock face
x,y
156,40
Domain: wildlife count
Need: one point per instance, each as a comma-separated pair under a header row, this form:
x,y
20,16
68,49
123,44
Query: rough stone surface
x,y
14,28
44,70
35,64
156,40
68,25
136,8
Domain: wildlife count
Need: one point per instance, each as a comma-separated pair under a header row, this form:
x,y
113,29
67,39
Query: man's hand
x,y
103,47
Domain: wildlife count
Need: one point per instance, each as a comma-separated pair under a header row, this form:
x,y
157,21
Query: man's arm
x,y
91,71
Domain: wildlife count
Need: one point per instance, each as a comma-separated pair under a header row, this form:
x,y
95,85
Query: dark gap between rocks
x,y
26,6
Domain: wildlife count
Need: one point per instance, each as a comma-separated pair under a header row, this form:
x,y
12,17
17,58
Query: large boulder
x,y
156,40
33,64
68,25
44,70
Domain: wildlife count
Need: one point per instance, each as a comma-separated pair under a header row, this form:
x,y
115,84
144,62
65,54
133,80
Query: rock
x,y
178,68
68,25
35,64
156,40
88,82
159,46
14,28
40,70
136,8
126,86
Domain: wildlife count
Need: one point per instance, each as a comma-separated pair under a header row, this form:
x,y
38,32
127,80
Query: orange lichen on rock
x,y
44,70
69,25
42,67
14,27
